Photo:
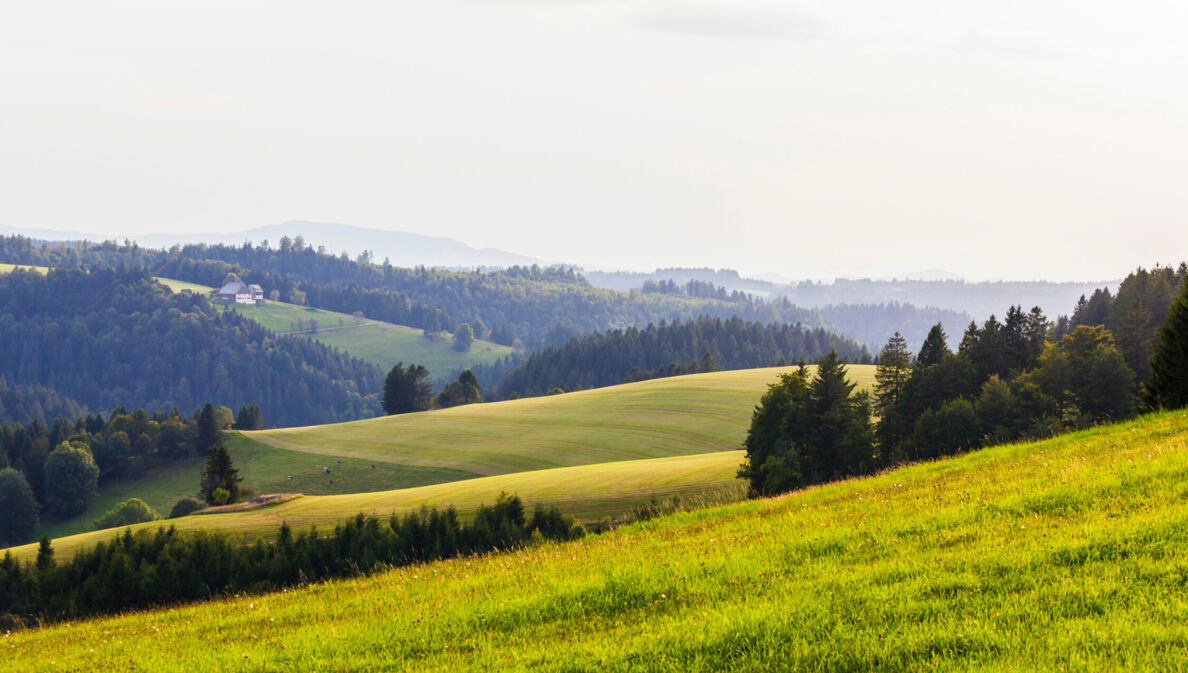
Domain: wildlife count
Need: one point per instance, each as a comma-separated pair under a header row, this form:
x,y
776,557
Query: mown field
x,y
698,413
685,415
381,343
591,493
1069,554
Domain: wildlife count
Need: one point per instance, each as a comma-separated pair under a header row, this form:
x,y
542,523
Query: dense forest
x,y
26,403
538,306
607,358
110,338
165,568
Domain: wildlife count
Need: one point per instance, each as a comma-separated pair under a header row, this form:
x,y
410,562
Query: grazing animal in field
x,y
325,470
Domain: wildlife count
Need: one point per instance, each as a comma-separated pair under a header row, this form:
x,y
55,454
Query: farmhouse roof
x,y
233,288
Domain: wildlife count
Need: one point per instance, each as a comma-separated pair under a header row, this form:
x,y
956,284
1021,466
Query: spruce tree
x,y
1168,386
219,473
891,376
407,390
208,428
934,349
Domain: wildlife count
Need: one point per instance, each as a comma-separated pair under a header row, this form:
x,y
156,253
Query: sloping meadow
x,y
1066,554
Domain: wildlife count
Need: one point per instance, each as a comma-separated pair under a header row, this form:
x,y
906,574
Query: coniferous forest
x,y
116,338
536,306
704,344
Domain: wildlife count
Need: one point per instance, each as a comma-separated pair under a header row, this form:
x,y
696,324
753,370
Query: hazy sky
x,y
1013,139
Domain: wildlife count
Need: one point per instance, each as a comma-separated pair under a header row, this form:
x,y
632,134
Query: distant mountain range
x,y
400,248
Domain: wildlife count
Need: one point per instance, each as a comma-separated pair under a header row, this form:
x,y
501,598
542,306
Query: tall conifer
x,y
1168,387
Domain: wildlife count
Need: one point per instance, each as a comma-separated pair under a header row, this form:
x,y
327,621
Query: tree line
x,y
166,567
525,306
115,337
56,469
1024,377
616,356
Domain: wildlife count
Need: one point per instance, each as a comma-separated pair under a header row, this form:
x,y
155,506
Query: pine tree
x,y
219,473
407,390
1168,386
934,349
208,428
45,554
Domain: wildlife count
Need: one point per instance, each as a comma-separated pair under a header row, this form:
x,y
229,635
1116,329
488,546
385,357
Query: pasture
x,y
1069,554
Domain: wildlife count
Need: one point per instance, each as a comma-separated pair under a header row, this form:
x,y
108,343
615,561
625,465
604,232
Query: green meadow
x,y
677,416
591,493
698,413
1069,554
381,343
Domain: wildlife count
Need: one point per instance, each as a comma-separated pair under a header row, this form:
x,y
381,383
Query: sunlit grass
x,y
1067,554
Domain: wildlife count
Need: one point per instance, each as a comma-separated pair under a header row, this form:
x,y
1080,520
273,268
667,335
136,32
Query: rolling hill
x,y
1064,554
683,415
381,343
588,492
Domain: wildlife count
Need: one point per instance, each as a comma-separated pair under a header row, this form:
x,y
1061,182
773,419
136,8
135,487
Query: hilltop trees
x,y
249,418
667,349
71,479
18,509
1168,387
407,390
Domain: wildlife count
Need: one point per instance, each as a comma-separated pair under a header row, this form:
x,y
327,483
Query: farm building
x,y
241,293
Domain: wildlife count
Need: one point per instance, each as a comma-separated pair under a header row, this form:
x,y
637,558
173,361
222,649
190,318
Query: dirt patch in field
x,y
254,503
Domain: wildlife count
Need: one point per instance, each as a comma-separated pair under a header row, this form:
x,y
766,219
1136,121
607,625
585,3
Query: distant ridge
x,y
399,247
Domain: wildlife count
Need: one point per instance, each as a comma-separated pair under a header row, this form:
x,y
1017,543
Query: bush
x,y
186,506
128,512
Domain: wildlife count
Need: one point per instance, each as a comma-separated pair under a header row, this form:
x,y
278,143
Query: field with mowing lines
x,y
1069,554
589,492
381,343
698,413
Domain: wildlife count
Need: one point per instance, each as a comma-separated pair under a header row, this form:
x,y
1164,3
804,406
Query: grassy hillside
x,y
699,413
382,343
263,467
1066,554
589,492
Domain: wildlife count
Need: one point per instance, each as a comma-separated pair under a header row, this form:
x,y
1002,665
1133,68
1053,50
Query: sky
x,y
1017,139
